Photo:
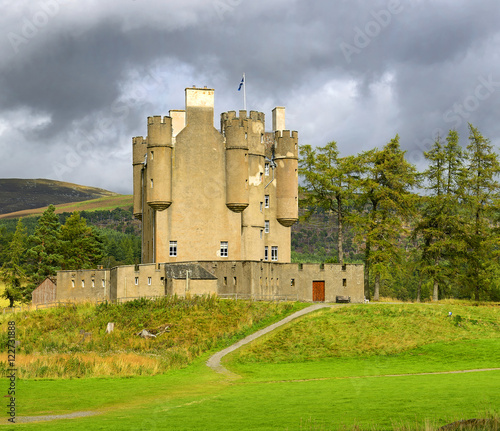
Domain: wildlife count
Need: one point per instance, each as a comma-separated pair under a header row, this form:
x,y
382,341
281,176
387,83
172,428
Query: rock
x,y
110,328
146,334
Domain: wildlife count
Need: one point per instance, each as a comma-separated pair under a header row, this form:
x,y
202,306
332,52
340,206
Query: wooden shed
x,y
45,292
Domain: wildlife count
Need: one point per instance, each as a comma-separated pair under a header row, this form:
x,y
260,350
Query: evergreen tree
x,y
45,244
81,246
12,272
480,196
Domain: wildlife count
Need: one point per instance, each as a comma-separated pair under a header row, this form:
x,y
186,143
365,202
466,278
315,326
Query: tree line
x,y
60,243
435,230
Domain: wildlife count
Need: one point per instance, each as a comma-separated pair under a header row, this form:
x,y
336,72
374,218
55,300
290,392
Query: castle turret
x,y
286,158
138,157
237,191
159,163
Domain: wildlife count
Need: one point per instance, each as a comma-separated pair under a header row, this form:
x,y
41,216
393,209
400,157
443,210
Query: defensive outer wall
x,y
232,279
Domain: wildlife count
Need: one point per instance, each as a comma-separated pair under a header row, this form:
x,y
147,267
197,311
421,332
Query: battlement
x,y
286,143
157,119
159,131
229,119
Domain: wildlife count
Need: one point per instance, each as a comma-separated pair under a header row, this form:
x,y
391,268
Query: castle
x,y
208,195
216,209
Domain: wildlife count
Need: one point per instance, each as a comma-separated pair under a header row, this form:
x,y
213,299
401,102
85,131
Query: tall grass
x,y
66,342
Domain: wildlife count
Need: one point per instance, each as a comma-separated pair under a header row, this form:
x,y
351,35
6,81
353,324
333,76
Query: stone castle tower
x,y
208,195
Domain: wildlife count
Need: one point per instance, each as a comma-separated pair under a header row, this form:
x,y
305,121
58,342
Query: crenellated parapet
x,y
249,129
287,178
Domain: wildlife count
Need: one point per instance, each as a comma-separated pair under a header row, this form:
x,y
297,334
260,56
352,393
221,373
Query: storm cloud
x,y
78,79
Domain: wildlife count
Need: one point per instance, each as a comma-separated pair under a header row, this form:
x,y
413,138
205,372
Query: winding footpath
x,y
214,361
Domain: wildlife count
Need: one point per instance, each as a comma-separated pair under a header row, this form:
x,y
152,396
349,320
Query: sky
x,y
78,79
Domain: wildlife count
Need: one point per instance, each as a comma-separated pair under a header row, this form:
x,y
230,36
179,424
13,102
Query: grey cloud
x,y
84,73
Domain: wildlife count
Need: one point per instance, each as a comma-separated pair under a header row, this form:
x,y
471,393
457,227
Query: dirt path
x,y
214,361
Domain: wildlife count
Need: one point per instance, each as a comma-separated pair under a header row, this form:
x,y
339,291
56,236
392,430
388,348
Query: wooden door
x,y
318,291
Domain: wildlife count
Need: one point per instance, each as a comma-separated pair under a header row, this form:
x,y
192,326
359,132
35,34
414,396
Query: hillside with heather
x,y
24,194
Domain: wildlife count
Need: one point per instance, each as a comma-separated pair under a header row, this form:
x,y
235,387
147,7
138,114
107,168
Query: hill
x,y
99,204
25,194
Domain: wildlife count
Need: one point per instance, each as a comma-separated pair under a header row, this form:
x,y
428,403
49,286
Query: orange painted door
x,y
318,291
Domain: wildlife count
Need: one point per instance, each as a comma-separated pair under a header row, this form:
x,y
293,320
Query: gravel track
x,y
214,361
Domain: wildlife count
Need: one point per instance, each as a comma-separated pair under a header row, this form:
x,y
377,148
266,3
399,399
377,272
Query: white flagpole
x,y
244,92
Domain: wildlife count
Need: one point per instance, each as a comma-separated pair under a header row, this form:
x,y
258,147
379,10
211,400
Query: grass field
x,y
324,387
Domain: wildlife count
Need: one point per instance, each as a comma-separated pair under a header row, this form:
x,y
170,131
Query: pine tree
x,y
12,272
81,247
44,253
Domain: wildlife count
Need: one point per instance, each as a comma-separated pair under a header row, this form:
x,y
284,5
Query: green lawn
x,y
327,392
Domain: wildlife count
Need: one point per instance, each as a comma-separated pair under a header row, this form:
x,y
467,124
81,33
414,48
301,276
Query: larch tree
x,y
387,204
481,201
439,226
328,185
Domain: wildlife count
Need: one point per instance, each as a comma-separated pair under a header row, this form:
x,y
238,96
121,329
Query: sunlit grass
x,y
71,341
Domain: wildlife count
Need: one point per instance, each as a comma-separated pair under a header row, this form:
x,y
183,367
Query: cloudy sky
x,y
78,79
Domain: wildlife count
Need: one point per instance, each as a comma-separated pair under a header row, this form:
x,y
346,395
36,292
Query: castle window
x,y
266,169
225,281
261,234
261,207
93,283
292,282
151,183
274,253
136,281
344,267
83,283
261,175
266,253
266,226
344,282
224,249
173,248
103,282
152,154
266,201
235,281
72,283
149,281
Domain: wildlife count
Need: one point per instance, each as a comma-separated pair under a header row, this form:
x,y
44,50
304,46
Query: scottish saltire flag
x,y
241,83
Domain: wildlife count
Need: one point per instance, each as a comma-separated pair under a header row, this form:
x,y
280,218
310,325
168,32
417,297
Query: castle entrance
x,y
318,291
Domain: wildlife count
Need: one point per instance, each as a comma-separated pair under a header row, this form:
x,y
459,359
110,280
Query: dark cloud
x,y
75,91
